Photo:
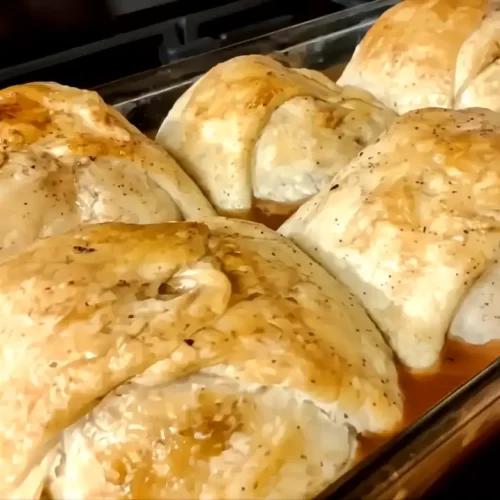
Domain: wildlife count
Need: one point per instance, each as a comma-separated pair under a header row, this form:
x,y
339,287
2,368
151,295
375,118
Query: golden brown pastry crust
x,y
410,224
252,128
408,59
83,312
68,159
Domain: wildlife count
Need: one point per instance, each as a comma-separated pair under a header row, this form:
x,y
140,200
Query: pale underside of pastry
x,y
477,74
424,53
34,484
478,318
202,437
253,129
68,159
231,300
411,223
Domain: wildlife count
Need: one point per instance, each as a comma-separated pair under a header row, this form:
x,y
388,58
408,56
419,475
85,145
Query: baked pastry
x,y
411,223
478,318
230,329
67,159
424,53
253,130
214,436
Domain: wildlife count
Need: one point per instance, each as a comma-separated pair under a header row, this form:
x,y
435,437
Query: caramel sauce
x,y
334,72
188,441
460,362
94,145
273,214
25,120
151,133
18,109
269,213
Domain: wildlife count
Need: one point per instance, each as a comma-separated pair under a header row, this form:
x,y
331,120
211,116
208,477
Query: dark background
x,y
36,27
475,477
84,43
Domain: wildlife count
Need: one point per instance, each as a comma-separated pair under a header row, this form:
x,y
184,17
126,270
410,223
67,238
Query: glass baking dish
x,y
320,44
411,462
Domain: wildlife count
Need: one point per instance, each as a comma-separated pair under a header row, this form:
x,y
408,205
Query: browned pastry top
x,y
228,301
253,128
68,159
423,53
411,223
